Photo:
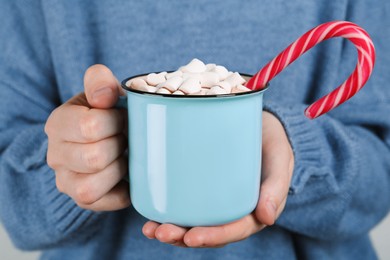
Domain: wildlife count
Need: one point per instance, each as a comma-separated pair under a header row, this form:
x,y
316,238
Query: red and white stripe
x,y
363,69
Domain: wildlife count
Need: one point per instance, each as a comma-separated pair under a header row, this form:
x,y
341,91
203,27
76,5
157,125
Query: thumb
x,y
273,194
277,168
101,87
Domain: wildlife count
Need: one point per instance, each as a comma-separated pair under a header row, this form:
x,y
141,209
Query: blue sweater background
x,y
341,183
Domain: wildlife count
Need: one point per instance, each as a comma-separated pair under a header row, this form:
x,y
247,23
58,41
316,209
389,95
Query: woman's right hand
x,y
86,143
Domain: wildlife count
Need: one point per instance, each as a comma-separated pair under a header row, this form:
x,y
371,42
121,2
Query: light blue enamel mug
x,y
194,160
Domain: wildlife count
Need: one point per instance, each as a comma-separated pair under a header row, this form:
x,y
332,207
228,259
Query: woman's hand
x,y
86,144
277,168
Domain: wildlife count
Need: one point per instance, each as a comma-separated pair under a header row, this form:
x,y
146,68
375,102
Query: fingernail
x,y
101,92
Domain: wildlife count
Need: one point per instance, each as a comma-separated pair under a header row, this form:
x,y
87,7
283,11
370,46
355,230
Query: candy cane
x,y
363,69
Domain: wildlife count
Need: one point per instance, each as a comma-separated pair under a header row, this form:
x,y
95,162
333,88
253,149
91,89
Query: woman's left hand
x,y
277,169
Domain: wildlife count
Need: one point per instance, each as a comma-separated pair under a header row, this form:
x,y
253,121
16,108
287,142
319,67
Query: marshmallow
x,y
235,79
195,78
146,88
150,89
178,73
163,91
216,90
190,86
188,75
155,79
209,79
210,67
137,83
222,72
240,88
195,66
172,84
201,92
161,85
225,85
178,92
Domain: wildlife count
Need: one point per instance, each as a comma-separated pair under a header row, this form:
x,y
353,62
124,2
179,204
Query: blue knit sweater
x,y
341,182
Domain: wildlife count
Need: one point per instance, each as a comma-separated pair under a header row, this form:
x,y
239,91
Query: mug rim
x,y
123,85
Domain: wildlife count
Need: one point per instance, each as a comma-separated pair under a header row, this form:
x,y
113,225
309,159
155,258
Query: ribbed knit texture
x,y
340,187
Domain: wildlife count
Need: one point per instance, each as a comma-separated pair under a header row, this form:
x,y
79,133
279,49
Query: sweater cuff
x,y
61,211
306,144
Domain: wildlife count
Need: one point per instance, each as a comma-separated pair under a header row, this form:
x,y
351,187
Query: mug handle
x,y
121,102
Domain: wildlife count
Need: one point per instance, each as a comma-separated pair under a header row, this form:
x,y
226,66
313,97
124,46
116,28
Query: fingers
x,y
86,189
101,87
221,235
85,140
90,158
170,234
203,236
116,199
75,123
277,168
149,229
166,233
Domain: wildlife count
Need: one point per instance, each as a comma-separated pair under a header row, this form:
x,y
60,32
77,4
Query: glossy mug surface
x,y
194,160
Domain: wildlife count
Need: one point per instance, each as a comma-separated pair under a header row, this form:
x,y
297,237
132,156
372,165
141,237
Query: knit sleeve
x,y
341,184
32,210
341,181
